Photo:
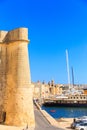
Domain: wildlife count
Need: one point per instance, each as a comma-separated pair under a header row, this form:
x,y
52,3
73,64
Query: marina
x,y
65,112
66,106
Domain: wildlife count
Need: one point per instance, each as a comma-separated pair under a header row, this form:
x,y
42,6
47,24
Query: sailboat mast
x,y
67,62
72,77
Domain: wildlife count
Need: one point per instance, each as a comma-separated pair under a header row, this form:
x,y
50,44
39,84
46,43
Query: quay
x,y
45,122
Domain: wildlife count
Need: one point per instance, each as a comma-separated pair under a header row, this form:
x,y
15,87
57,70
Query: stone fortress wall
x,y
15,80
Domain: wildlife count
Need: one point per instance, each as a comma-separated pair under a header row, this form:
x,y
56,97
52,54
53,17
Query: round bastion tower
x,y
17,99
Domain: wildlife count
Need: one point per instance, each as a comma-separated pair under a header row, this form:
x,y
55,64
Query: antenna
x,y
67,62
72,77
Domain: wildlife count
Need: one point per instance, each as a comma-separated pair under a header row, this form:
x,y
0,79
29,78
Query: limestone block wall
x,y
2,74
24,78
17,91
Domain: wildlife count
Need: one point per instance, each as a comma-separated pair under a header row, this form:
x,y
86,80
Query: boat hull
x,y
65,104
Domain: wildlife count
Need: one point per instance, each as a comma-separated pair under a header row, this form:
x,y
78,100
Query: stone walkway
x,y
42,123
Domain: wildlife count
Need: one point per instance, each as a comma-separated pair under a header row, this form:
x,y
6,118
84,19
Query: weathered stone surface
x,y
15,80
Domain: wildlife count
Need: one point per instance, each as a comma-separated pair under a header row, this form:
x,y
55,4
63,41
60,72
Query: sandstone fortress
x,y
15,80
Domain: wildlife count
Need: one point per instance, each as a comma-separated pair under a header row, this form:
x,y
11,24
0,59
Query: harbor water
x,y
65,112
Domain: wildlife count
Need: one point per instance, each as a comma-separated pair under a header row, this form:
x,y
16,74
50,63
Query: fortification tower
x,y
15,80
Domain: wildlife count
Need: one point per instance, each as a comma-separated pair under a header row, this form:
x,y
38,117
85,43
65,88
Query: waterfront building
x,y
55,90
43,90
40,90
85,91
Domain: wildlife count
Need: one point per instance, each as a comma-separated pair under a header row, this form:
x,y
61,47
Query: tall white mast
x,y
67,62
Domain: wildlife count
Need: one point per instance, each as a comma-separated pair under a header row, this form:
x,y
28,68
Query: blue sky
x,y
54,26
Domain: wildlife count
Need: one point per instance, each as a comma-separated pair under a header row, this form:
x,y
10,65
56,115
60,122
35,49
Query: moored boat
x,y
68,101
52,110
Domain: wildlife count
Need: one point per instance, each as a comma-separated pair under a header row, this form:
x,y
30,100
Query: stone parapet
x,y
19,34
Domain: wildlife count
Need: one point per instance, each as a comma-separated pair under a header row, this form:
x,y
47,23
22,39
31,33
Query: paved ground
x,y
42,123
